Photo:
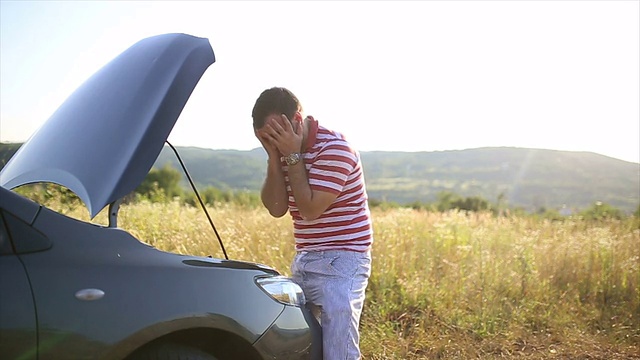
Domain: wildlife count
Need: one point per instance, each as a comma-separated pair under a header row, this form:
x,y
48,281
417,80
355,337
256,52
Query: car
x,y
72,289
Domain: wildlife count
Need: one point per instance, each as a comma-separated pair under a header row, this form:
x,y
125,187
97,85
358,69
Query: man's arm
x,y
311,203
280,132
274,192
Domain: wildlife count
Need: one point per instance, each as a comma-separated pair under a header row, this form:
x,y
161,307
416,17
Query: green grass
x,y
451,285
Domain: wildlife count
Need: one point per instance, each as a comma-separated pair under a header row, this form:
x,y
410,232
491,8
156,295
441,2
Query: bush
x,y
601,211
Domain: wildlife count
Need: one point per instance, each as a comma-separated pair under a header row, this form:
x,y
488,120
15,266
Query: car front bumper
x,y
296,334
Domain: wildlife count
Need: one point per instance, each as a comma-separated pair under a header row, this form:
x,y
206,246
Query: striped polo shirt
x,y
333,166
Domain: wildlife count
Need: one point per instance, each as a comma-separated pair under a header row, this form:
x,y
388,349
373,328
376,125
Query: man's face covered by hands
x,y
281,136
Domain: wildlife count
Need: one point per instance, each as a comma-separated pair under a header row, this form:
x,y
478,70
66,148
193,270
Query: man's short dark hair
x,y
277,100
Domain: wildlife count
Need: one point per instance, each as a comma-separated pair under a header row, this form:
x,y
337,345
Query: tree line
x,y
538,181
163,184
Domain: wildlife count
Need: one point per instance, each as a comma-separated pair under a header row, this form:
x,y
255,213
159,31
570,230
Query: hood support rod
x,y
113,213
193,186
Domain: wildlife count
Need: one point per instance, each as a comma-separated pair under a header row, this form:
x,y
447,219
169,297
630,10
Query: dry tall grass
x,y
452,285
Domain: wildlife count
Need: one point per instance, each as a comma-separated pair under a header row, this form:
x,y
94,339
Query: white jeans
x,y
335,281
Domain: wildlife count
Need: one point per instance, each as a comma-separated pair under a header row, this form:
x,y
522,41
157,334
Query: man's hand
x,y
271,149
278,131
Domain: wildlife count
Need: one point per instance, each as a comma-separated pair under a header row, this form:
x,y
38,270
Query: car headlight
x,y
282,289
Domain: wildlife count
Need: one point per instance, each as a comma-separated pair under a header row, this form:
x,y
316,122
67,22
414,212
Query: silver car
x,y
75,290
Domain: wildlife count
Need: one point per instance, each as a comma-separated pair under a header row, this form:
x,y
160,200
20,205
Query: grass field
x,y
451,285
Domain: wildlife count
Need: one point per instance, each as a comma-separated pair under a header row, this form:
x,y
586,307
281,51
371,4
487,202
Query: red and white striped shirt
x,y
333,166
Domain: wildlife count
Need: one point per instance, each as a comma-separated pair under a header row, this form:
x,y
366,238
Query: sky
x,y
390,75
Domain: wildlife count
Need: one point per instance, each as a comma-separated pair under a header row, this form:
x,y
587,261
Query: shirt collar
x,y
313,132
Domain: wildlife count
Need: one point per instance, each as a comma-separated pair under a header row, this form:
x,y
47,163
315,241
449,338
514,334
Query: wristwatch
x,y
292,158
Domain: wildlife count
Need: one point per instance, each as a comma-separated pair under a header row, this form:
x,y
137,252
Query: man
x,y
317,176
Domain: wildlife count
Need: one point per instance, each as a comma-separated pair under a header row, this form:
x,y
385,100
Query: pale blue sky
x,y
405,76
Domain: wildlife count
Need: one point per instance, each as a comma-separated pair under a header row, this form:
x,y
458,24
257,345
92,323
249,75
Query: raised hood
x,y
105,137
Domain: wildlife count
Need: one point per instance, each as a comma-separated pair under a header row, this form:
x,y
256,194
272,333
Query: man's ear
x,y
297,121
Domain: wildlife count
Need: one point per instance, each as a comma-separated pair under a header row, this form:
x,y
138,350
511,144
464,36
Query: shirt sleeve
x,y
332,167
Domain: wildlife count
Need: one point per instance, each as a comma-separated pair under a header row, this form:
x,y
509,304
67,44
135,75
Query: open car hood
x,y
105,137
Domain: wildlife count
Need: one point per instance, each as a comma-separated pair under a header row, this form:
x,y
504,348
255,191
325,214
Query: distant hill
x,y
528,178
